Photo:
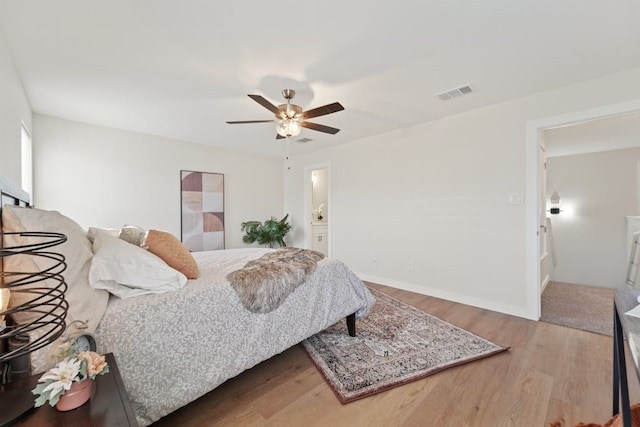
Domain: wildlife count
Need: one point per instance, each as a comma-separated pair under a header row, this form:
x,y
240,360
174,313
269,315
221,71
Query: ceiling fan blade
x,y
266,104
278,136
320,128
251,121
321,111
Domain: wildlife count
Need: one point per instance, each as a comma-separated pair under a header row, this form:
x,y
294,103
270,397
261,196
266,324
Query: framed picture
x,y
202,210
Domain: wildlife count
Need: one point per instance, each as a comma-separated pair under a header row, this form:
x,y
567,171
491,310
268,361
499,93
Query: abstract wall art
x,y
202,210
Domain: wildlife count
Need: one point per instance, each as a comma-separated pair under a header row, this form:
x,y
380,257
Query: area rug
x,y
587,308
395,344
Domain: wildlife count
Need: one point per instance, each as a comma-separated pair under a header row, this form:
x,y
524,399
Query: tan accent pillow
x,y
171,250
85,303
4,303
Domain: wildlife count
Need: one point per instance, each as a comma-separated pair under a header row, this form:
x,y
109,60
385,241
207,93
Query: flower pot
x,y
76,396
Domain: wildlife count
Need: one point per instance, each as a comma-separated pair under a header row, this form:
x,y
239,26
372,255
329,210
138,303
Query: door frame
x,y
532,216
308,230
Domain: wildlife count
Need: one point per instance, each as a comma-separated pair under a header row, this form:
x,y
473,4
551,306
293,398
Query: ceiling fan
x,y
290,118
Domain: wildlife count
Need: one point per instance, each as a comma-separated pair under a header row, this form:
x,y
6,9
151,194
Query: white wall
x,y
107,178
14,110
613,133
426,208
597,191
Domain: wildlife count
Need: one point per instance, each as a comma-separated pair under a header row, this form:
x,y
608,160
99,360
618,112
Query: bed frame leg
x,y
351,324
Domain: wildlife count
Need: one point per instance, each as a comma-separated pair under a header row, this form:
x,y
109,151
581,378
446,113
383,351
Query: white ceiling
x,y
180,69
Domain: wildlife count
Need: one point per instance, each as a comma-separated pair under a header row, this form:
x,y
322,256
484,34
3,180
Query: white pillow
x,y
127,270
93,231
132,234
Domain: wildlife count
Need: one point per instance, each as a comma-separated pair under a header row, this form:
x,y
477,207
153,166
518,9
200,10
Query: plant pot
x,y
76,396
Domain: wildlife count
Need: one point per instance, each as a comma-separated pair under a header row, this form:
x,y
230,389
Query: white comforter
x,y
174,347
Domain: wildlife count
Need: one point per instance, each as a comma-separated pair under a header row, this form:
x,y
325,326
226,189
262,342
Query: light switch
x,y
516,199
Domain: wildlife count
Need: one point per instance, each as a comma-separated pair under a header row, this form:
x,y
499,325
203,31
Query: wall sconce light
x,y
555,203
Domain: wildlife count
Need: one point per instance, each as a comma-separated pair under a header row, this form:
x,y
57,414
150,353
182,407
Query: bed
x,y
173,347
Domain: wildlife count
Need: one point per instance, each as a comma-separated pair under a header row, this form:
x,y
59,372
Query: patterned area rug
x,y
395,344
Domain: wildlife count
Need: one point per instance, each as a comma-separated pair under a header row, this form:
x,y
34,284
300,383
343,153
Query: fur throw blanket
x,y
263,284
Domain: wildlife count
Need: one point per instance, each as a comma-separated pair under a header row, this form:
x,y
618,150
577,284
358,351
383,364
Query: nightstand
x,y
108,407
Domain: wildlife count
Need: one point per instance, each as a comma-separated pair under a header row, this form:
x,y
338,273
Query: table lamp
x,y
33,310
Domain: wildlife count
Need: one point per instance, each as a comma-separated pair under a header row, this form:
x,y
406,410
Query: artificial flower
x,y
64,373
96,363
58,380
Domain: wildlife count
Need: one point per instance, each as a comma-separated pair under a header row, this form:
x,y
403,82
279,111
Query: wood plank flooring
x,y
551,373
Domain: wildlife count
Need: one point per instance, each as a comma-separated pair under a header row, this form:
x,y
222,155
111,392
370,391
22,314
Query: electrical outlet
x,y
410,266
375,261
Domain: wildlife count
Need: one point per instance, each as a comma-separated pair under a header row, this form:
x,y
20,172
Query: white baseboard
x,y
544,284
449,296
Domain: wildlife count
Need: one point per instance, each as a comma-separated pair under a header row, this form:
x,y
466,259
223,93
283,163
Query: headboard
x,y
12,193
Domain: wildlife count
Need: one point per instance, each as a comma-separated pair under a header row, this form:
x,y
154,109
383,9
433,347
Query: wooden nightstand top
x,y
109,406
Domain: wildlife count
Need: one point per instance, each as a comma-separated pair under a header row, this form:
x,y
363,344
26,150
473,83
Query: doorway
x,y
534,130
318,208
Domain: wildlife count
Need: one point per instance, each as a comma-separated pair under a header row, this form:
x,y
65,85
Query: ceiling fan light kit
x,y
289,127
290,118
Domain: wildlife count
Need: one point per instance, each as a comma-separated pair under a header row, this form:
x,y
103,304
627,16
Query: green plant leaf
x,y
40,400
270,232
54,399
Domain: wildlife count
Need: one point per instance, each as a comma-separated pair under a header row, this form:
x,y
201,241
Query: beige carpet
x,y
588,308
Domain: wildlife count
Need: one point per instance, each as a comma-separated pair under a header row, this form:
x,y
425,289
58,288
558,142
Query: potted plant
x,y
270,232
68,385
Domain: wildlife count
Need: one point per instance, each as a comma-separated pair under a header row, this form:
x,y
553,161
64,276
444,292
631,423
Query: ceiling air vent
x,y
304,140
453,93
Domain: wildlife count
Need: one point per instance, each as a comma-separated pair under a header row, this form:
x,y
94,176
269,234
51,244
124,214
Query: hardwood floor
x,y
550,373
